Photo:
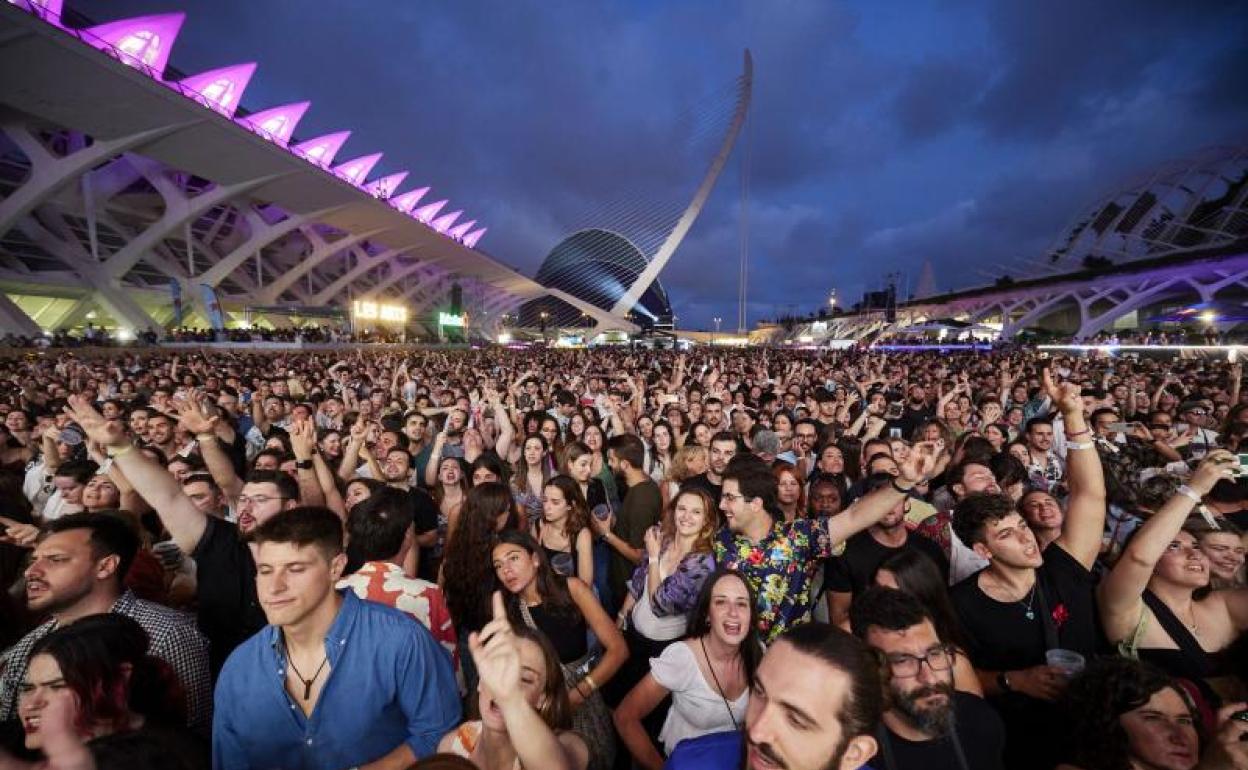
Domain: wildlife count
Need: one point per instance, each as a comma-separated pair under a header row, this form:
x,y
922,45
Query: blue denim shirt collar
x,y
335,638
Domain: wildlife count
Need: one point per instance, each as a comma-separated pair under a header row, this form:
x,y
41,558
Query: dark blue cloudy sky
x,y
964,132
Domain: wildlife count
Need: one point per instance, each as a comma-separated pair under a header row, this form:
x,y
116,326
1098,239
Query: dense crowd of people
x,y
561,560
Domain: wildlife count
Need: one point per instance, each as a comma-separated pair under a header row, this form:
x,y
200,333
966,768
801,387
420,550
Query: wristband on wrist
x,y
1079,445
1003,681
303,465
592,684
900,488
118,451
1189,493
205,436
1079,433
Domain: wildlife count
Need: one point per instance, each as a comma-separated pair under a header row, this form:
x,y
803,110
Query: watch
x,y
1003,681
303,465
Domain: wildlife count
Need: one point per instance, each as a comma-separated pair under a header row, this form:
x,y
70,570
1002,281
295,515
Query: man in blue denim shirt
x,y
333,682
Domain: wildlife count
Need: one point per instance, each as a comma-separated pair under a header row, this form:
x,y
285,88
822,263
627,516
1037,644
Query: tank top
x,y
566,631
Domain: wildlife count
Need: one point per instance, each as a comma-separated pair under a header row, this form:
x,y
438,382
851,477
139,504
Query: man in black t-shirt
x,y
852,572
928,723
1028,600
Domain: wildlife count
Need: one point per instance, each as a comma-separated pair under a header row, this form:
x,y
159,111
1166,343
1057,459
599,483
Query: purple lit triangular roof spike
x,y
145,40
222,87
470,240
385,186
408,200
460,230
356,170
322,149
443,223
428,212
278,123
49,10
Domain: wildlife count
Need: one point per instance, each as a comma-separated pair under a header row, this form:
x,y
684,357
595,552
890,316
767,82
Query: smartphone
x,y
894,432
1119,427
894,410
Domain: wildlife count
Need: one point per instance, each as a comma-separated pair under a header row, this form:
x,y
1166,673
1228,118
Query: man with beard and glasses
x,y
815,705
929,725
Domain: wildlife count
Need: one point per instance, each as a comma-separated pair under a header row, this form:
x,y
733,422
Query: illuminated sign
x,y
447,319
371,311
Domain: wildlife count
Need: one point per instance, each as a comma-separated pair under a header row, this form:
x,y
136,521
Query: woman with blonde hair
x,y
689,461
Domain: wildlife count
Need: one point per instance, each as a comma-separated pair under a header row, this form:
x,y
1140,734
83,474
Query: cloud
x,y
881,135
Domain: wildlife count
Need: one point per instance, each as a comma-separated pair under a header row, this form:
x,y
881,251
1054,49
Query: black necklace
x,y
307,683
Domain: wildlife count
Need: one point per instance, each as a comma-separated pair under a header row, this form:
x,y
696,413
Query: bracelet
x,y
1189,493
118,452
900,488
1078,445
1079,433
592,684
205,436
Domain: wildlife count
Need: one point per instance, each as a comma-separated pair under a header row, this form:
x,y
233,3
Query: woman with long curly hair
x,y
466,577
1124,715
563,529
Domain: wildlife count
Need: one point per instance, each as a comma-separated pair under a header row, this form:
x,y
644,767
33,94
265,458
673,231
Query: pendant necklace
x,y
307,683
1031,597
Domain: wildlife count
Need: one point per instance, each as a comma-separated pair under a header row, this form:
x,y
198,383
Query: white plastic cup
x,y
1069,662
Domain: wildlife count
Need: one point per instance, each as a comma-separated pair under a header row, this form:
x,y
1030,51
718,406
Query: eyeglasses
x,y
1161,426
244,500
730,497
905,666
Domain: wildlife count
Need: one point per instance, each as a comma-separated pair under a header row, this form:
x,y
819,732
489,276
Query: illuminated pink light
x,y
48,10
144,41
322,149
277,123
356,170
428,212
443,223
408,200
461,229
222,87
385,187
470,240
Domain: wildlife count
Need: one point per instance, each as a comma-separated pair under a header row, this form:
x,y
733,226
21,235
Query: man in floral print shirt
x,y
380,533
780,558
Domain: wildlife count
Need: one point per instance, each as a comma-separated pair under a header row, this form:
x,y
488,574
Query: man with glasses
x,y
929,725
805,437
229,611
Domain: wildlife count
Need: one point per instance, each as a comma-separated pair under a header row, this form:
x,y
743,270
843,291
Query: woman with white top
x,y
709,674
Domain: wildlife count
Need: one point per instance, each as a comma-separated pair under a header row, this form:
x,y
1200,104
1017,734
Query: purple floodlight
x,y
144,41
356,171
470,240
277,123
408,200
428,212
221,89
322,149
385,187
460,230
443,223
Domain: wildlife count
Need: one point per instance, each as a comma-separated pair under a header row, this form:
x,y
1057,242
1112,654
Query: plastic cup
x,y
1069,662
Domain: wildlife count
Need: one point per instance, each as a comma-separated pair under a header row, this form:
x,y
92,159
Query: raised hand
x,y
302,439
1066,396
108,433
1217,465
496,653
921,462
192,418
654,542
